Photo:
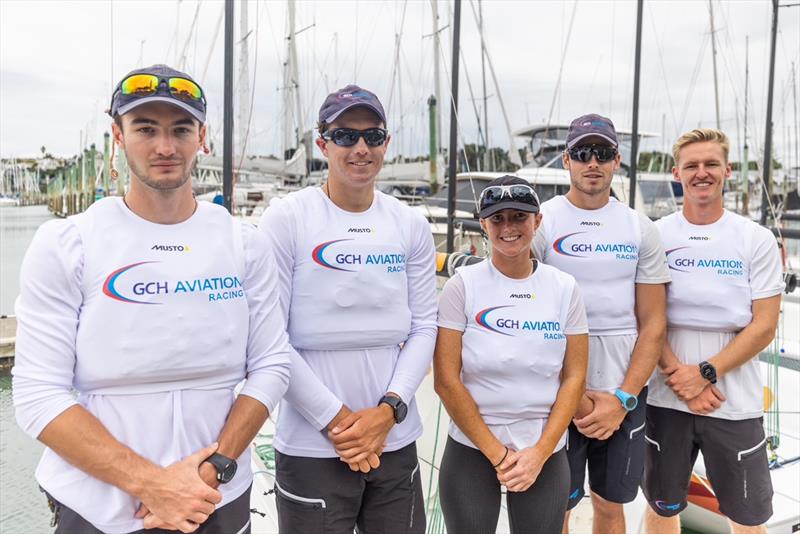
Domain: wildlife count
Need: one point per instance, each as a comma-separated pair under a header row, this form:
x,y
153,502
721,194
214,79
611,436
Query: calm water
x,y
17,226
22,506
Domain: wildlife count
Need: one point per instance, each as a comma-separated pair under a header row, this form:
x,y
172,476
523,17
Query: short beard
x,y
587,191
160,185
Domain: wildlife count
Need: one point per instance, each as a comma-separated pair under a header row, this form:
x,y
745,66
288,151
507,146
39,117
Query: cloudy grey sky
x,y
60,59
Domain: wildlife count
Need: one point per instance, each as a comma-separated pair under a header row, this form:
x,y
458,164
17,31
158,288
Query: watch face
x,y
227,473
630,403
707,372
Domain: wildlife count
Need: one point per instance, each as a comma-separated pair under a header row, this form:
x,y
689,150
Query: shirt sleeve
x,y
417,352
268,364
652,267
47,312
766,271
539,244
306,392
576,316
452,301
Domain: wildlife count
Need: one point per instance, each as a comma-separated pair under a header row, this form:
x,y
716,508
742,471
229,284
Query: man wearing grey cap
x,y
617,258
359,292
153,307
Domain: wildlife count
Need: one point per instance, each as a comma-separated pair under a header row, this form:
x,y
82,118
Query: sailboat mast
x,y
745,171
437,59
767,169
486,157
244,76
714,59
635,126
227,111
453,152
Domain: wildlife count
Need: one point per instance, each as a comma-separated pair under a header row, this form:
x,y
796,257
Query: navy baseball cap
x,y
173,87
591,125
346,98
500,194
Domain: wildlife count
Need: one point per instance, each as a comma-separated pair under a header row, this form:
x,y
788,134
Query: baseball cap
x,y
501,194
349,97
591,125
194,104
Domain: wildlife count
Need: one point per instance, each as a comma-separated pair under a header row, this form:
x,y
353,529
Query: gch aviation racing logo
x,y
684,263
123,285
508,326
330,256
576,247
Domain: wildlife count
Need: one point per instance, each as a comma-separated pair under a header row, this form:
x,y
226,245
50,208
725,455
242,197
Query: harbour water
x,y
22,506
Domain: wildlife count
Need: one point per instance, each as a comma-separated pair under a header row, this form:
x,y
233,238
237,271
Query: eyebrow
x,y
180,122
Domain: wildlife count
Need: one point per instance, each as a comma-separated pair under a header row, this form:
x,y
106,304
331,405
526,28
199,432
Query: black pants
x,y
322,495
470,494
233,518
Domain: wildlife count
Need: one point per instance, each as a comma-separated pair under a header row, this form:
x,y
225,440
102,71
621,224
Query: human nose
x,y
361,145
165,145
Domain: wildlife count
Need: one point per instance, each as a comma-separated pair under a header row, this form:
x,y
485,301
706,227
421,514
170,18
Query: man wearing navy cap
x,y
617,258
153,307
359,291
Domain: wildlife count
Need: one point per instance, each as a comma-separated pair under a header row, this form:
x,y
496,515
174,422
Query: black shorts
x,y
233,518
615,464
734,453
322,495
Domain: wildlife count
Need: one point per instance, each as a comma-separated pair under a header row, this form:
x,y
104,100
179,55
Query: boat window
x,y
658,198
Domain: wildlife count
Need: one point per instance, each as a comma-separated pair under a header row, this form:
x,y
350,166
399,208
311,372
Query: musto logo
x,y
124,285
332,255
681,262
508,326
577,247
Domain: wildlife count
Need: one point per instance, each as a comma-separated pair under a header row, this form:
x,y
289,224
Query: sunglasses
x,y
148,84
584,153
349,137
516,193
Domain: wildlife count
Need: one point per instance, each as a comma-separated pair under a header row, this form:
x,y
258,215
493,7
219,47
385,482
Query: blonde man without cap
x,y
722,310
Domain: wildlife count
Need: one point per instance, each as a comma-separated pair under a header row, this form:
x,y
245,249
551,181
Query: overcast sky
x,y
59,61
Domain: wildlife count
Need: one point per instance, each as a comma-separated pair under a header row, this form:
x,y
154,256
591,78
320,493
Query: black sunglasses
x,y
603,153
349,137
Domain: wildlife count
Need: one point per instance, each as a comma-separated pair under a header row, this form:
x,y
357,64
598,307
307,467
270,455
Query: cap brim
x,y
584,136
329,119
519,206
196,113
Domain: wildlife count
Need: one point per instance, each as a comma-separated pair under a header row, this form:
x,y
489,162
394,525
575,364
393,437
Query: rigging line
x,y
693,80
472,99
213,43
664,74
459,129
252,95
560,73
192,27
369,41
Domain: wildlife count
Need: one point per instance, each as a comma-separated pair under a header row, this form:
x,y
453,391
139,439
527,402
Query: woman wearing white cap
x,y
510,367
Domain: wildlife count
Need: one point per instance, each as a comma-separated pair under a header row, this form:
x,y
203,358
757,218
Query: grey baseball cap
x,y
591,125
349,97
122,103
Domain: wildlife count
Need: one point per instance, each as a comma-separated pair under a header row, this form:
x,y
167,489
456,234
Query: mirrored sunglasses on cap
x,y
148,84
494,194
583,153
349,136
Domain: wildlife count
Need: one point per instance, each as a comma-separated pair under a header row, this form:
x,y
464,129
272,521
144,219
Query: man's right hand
x,y
709,400
178,497
365,465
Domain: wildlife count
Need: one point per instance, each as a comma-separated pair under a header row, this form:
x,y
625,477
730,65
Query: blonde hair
x,y
699,135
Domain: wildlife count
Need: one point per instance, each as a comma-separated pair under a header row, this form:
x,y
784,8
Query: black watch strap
x,y
226,467
708,371
397,404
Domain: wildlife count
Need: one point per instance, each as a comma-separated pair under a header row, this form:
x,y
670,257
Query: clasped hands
x,y
359,437
181,496
518,470
700,396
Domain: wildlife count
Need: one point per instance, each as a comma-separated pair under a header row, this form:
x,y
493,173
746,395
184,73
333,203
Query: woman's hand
x,y
523,468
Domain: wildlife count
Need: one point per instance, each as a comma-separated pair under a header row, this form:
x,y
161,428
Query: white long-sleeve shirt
x,y
354,287
153,326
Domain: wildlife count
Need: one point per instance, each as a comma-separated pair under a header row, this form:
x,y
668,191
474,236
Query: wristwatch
x,y
397,404
225,467
708,371
629,402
